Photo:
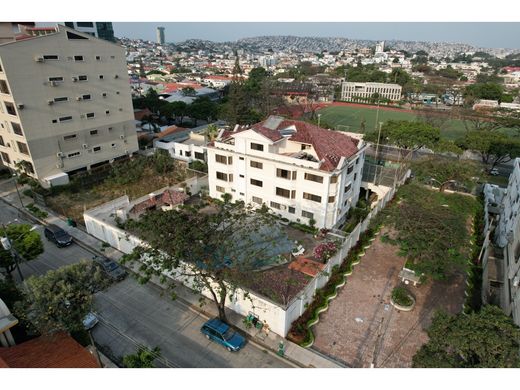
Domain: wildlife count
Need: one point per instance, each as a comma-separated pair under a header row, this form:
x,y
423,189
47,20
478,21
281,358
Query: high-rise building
x,y
65,103
103,30
160,35
380,47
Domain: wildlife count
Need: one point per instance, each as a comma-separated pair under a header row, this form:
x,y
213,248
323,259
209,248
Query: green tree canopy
x,y
485,339
60,299
212,247
406,135
143,358
488,91
27,244
494,148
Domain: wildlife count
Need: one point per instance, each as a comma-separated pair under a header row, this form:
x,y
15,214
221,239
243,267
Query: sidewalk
x,y
293,353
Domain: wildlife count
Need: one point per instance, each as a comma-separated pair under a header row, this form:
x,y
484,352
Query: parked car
x,y
90,321
222,333
494,172
57,235
110,267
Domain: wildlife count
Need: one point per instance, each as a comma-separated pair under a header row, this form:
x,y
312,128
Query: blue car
x,y
222,333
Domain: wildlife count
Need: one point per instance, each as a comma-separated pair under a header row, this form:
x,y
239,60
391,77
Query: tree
x,y
445,171
60,299
211,132
188,91
494,148
26,243
484,339
179,109
143,358
202,109
488,91
406,135
212,248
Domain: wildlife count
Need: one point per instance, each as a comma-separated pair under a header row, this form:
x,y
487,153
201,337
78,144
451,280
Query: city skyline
x,y
478,34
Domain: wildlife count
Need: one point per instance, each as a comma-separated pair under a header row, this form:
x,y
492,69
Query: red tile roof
x,y
139,115
58,350
170,197
171,130
306,266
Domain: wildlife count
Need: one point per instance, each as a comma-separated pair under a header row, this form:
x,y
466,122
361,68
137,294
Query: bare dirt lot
x,y
361,327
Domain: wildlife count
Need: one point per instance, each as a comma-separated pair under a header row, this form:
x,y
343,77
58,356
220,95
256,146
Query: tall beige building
x,y
65,103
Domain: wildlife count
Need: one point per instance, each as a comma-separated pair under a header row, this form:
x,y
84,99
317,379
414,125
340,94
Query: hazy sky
x,y
505,35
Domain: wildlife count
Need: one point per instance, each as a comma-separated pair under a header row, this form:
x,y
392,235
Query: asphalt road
x,y
132,314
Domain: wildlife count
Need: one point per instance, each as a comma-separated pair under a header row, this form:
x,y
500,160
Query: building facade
x,y
352,90
102,30
65,103
160,35
501,265
302,172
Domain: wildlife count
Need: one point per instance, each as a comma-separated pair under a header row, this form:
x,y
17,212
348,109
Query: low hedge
x,y
401,296
36,211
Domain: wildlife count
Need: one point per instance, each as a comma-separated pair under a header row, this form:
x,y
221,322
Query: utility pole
x,y
377,151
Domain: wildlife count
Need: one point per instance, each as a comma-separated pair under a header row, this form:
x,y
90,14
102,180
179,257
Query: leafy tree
x,y
484,339
188,91
211,132
179,109
60,299
256,77
163,162
27,244
400,76
211,247
406,135
444,170
202,109
488,91
494,148
143,358
155,71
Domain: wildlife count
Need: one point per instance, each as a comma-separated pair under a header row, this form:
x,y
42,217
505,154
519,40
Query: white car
x,y
494,172
90,321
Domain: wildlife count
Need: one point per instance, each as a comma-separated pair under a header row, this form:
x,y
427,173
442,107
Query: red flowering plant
x,y
324,251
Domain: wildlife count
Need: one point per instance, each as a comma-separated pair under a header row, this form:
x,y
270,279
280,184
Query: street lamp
x,y
7,244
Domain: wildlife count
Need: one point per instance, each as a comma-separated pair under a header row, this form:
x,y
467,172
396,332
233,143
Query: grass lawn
x,y
349,119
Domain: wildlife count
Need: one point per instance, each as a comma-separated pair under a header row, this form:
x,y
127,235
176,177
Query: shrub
x,y
324,251
36,211
401,296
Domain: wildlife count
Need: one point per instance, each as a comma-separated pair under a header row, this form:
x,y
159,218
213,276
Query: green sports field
x,y
348,118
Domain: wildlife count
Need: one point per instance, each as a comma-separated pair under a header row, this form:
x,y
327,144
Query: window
x,y
257,200
241,158
82,77
107,112
257,183
332,199
96,149
221,159
69,137
291,210
305,147
1,70
28,167
2,141
93,132
10,108
3,87
258,147
222,176
104,94
17,129
348,187
306,214
85,24
285,193
5,158
22,148
314,198
98,58
357,161
61,99
101,77
73,154
275,205
78,58
86,97
199,156
90,115
113,57
285,174
334,179
54,121
241,176
65,118
256,164
220,189
48,57
56,78
355,176
316,178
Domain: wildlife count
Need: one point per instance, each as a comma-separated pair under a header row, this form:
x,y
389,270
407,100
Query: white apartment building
x,y
501,252
351,90
65,103
297,169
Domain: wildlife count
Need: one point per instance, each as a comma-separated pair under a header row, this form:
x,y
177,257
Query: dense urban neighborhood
x,y
270,202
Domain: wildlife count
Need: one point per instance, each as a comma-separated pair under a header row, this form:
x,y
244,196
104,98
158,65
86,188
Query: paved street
x,y
132,314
